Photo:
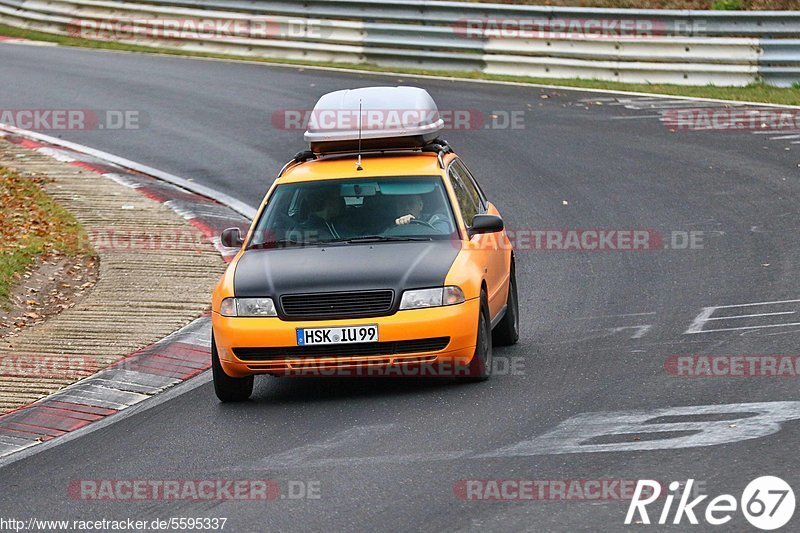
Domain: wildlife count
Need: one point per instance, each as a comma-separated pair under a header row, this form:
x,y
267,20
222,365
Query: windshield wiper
x,y
281,243
286,243
385,238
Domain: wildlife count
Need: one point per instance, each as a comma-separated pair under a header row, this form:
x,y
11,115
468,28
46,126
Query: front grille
x,y
343,350
337,304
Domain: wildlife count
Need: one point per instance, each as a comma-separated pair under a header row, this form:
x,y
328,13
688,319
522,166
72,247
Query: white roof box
x,y
389,117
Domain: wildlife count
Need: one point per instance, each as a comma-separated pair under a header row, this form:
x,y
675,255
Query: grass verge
x,y
756,92
32,226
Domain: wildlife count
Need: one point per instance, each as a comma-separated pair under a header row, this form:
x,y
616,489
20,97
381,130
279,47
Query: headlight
x,y
247,307
437,297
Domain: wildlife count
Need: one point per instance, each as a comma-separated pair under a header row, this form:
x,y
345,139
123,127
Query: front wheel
x,y
228,389
480,366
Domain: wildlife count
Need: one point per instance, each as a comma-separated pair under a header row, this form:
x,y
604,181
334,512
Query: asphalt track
x,y
388,453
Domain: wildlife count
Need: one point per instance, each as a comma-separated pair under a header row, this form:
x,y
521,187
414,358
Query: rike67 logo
x,y
767,503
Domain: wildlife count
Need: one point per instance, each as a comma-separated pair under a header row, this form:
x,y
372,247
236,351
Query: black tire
x,y
480,366
506,332
228,389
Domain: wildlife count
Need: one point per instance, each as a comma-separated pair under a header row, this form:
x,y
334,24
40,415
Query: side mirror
x,y
486,224
231,238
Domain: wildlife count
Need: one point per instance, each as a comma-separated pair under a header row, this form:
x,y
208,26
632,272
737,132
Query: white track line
x,y
153,401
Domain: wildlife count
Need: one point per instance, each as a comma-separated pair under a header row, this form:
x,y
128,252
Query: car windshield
x,y
355,210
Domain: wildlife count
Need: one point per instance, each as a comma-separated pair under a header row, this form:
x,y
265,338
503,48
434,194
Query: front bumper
x,y
459,322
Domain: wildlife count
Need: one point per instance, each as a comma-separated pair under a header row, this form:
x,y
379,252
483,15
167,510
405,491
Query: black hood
x,y
338,268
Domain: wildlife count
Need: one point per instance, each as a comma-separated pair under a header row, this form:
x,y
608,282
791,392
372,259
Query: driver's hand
x,y
405,219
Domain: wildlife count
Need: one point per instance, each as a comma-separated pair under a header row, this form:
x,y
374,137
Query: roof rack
x,y
299,157
438,146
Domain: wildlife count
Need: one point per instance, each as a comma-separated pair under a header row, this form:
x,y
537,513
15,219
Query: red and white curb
x,y
136,378
145,373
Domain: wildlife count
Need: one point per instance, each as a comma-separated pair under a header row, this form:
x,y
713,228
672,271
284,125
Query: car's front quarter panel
x,y
468,270
224,287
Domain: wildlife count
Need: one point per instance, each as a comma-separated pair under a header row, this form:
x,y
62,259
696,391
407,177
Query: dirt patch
x,y
51,285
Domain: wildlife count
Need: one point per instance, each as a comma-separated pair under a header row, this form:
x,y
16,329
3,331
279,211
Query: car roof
x,y
374,166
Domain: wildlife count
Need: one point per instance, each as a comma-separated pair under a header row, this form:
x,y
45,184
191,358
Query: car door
x,y
472,201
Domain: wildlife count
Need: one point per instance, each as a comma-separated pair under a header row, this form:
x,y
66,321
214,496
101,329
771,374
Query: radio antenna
x,y
358,163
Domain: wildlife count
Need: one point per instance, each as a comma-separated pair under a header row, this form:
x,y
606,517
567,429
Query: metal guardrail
x,y
669,46
687,22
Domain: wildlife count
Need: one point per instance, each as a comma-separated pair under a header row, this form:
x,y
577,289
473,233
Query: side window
x,y
466,201
469,183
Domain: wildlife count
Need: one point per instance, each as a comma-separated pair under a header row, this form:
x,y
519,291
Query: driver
x,y
408,208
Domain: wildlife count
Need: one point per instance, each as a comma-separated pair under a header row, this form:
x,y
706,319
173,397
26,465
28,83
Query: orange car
x,y
384,258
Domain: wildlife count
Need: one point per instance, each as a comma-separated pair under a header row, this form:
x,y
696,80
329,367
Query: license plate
x,y
343,335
